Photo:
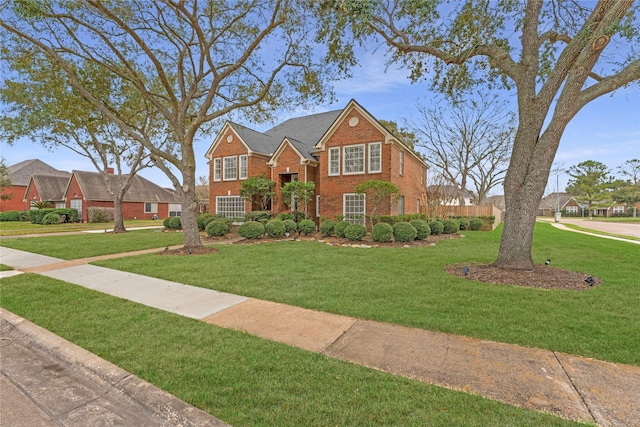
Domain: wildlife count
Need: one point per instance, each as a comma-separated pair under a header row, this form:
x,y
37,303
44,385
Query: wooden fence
x,y
470,211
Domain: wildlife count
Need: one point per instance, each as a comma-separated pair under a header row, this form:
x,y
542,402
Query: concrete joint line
x,y
326,349
34,401
574,387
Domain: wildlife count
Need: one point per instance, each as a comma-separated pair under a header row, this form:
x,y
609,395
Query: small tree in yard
x,y
296,192
260,189
378,193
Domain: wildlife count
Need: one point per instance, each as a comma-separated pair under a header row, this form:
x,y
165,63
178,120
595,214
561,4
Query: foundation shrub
x,y
327,227
382,232
404,232
422,228
355,232
217,228
251,230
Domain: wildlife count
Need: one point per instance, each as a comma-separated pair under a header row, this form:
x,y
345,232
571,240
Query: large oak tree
x,y
558,55
191,62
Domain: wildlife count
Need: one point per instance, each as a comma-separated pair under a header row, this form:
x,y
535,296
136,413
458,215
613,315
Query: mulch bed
x,y
542,277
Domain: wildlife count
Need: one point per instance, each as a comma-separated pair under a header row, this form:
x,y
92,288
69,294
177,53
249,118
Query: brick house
x,y
337,150
20,175
143,199
568,205
48,188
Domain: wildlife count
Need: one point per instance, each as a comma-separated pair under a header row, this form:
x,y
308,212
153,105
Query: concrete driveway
x,y
623,229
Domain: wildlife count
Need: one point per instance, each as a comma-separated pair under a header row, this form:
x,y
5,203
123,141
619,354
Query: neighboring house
x,y
568,205
336,150
448,195
143,199
496,200
20,174
48,188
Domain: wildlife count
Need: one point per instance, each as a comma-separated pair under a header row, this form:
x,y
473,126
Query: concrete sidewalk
x,y
569,386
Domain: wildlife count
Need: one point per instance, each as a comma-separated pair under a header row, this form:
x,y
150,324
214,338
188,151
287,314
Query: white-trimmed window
x,y
619,209
151,207
353,159
77,205
375,157
61,205
175,209
230,168
401,163
230,206
334,161
571,210
354,207
217,169
243,167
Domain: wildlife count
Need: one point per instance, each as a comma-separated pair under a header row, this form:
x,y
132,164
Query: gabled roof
x,y
50,187
20,173
551,200
141,189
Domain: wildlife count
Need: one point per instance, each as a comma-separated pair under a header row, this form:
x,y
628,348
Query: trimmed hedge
x,y
172,223
422,228
464,223
14,216
404,232
290,225
355,232
451,226
382,232
340,227
100,214
36,216
327,227
258,216
307,226
436,227
275,228
475,224
217,228
51,218
251,230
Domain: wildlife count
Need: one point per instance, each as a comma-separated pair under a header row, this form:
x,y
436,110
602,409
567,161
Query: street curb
x,y
173,411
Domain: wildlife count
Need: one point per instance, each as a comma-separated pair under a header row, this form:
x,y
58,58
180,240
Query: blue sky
x,y
606,130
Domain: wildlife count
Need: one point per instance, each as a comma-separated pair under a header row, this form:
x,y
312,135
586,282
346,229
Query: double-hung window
x,y
230,168
401,163
217,169
353,159
243,166
375,157
175,209
334,161
151,207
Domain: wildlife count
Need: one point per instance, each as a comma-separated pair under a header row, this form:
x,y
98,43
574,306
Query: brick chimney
x,y
110,171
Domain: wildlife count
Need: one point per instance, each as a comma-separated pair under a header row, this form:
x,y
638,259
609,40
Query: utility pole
x,y
558,169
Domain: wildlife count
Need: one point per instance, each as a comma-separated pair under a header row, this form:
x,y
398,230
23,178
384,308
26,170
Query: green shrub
x,y
436,227
14,216
258,216
251,230
307,226
100,214
404,232
451,226
327,227
217,228
464,223
339,228
51,218
475,224
422,228
201,220
172,223
286,215
355,232
69,215
290,225
382,232
275,228
217,217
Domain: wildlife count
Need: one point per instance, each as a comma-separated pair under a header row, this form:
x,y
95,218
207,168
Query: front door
x,y
286,178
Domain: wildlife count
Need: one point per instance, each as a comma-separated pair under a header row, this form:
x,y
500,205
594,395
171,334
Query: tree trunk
x,y
189,214
118,221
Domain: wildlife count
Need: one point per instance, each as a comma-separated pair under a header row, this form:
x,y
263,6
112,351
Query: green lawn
x,y
14,228
409,287
74,246
242,379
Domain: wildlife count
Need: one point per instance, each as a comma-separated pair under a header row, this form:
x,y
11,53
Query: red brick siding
x,y
289,159
15,203
411,184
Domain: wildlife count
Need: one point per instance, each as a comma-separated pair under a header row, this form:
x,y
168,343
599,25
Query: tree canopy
x,y
558,56
189,63
590,182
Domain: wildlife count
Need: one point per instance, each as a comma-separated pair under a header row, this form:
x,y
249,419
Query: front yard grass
x,y
242,379
409,287
85,245
15,228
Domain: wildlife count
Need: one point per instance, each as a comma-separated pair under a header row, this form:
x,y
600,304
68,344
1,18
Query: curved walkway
x,y
621,229
569,386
